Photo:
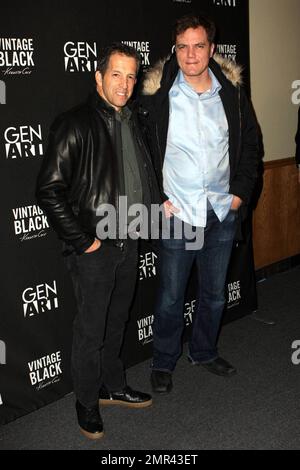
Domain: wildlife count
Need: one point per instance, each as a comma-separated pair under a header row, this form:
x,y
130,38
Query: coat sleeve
x,y
148,126
54,181
247,170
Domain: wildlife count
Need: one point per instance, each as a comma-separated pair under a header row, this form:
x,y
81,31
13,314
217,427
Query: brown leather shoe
x,y
89,421
126,397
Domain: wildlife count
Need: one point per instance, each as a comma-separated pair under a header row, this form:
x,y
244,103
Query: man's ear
x,y
212,49
98,78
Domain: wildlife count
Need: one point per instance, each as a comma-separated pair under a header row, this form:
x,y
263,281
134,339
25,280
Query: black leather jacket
x,y
80,170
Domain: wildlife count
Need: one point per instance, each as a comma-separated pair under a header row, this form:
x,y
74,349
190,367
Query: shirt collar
x,y
215,84
124,114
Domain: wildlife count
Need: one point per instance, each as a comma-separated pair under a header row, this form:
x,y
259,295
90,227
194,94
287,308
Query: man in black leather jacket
x,y
95,155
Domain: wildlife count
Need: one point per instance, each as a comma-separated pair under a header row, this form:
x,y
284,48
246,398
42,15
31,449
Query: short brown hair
x,y
116,48
193,21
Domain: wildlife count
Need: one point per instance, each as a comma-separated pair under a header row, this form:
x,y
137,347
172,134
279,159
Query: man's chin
x,y
193,70
192,73
120,102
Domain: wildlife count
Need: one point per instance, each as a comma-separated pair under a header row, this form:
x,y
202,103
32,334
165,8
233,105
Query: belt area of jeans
x,y
119,243
116,243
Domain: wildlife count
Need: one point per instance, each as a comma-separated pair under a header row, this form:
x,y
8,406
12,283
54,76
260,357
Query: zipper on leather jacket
x,y
118,243
158,143
144,150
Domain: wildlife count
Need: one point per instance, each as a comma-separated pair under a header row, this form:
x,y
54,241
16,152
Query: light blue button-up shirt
x,y
196,166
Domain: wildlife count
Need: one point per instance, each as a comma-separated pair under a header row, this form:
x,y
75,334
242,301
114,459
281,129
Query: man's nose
x,y
191,51
124,82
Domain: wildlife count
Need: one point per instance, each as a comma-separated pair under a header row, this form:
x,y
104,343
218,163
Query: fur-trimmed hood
x,y
152,81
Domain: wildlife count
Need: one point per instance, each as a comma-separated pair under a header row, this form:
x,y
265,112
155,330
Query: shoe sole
x,y
161,392
144,404
94,436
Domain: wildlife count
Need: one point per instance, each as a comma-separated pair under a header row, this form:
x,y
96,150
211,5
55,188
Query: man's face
x,y
193,51
116,86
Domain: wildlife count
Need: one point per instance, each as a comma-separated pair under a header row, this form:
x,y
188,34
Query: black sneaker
x,y
126,397
90,421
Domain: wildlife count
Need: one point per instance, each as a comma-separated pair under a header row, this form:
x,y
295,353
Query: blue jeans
x,y
175,263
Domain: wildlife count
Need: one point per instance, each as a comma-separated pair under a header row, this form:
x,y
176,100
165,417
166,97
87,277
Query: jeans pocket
x,y
91,254
233,213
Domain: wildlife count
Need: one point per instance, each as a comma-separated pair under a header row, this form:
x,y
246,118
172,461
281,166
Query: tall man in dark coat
x,y
203,137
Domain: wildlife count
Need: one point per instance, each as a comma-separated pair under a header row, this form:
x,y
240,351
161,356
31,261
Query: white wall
x,y
275,65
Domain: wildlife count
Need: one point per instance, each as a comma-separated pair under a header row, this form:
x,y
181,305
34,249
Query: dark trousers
x,y
104,284
175,267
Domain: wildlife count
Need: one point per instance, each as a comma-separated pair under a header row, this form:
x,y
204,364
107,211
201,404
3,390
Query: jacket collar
x,y
163,74
98,103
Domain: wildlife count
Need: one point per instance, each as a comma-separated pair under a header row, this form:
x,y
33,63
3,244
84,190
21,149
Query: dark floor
x,y
259,408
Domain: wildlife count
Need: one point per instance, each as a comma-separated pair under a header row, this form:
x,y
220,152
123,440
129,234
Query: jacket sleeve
x,y
247,170
53,183
148,127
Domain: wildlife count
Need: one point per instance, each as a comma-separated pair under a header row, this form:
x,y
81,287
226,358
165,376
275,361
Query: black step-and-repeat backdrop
x,y
48,55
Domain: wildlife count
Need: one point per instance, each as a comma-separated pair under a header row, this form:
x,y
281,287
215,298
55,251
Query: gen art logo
x,y
39,299
147,265
225,3
189,311
23,142
80,56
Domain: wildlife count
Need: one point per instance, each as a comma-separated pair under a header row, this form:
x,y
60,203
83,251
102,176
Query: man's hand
x,y
170,209
236,203
95,246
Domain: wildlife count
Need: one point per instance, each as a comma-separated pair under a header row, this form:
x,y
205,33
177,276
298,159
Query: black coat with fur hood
x,y
243,135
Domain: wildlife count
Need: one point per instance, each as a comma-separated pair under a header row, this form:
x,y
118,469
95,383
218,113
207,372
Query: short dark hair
x,y
194,21
116,48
